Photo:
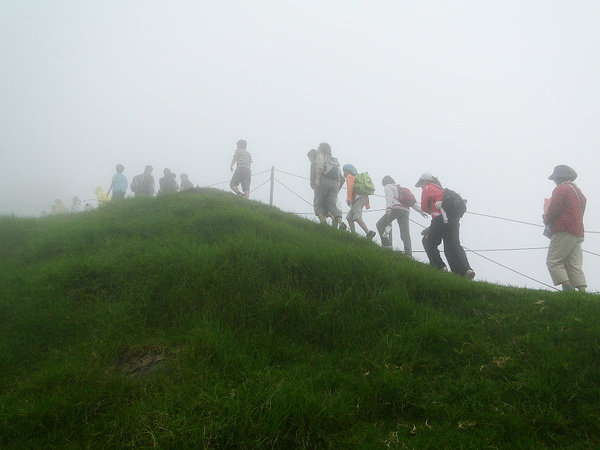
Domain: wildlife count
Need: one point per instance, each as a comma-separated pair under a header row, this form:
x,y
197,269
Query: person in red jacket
x,y
565,221
431,198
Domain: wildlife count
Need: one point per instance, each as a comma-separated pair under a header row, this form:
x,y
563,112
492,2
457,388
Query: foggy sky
x,y
489,96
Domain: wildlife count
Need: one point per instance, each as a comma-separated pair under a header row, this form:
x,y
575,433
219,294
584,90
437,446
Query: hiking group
x,y
326,179
144,184
563,215
563,212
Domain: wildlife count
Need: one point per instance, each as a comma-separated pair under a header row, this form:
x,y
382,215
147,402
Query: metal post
x,y
272,185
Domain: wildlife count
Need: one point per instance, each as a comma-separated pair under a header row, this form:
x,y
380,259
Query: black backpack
x,y
453,204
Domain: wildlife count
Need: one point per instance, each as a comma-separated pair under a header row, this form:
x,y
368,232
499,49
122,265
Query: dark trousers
x,y
449,234
118,196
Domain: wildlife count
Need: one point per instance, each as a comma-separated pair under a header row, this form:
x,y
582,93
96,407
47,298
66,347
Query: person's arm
x,y
319,163
389,197
425,200
556,206
418,209
112,183
350,181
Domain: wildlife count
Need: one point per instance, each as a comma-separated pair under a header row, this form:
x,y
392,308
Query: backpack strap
x,y
577,194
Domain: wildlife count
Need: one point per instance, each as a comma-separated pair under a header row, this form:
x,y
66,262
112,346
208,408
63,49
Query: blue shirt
x,y
119,183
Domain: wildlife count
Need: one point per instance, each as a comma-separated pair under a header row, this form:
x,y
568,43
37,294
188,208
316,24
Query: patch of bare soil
x,y
142,361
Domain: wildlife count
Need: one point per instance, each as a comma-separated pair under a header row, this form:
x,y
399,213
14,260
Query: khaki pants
x,y
565,259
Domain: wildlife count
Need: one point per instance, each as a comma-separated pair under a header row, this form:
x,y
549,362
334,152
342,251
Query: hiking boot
x,y
469,274
371,235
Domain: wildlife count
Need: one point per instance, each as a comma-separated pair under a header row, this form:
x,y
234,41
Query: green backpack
x,y
364,185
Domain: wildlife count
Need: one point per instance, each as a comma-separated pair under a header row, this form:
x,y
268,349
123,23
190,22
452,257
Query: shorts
x,y
355,212
241,175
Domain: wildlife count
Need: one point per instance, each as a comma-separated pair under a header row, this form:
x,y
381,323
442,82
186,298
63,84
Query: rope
x,y
512,270
293,175
309,203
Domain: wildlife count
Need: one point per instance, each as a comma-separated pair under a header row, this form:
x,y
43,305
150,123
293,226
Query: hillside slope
x,y
208,321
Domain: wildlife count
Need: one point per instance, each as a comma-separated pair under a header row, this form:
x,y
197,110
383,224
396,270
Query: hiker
x,y
398,201
76,205
118,186
564,219
168,182
58,207
356,201
440,230
143,184
186,184
326,186
102,197
312,157
242,175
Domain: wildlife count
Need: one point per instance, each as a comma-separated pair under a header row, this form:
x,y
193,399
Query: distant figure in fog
x,y
327,187
186,184
76,205
242,175
58,207
398,201
102,196
565,221
168,182
143,184
118,186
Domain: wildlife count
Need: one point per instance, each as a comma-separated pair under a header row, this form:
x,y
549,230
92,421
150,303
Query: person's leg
x,y
574,264
357,209
330,188
351,225
455,253
382,224
432,241
235,181
559,249
319,204
245,181
403,223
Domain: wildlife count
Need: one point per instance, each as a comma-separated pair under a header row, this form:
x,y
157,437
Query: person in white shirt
x,y
398,201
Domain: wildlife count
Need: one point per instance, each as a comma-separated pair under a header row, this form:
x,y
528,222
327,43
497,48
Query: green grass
x,y
208,321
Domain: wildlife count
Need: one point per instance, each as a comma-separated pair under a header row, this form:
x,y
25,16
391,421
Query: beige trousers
x,y
565,259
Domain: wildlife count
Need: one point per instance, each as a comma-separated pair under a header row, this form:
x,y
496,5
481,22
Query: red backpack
x,y
405,197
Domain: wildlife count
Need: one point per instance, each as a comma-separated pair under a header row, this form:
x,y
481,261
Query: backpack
x,y
364,185
405,197
136,183
331,168
453,204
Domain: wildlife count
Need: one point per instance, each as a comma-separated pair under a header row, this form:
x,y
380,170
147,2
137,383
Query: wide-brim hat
x,y
426,176
563,172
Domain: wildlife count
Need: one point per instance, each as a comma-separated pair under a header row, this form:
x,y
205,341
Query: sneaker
x,y
568,287
343,226
371,235
241,194
444,269
469,274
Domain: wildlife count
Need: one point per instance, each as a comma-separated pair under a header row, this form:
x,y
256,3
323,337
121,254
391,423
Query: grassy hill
x,y
209,321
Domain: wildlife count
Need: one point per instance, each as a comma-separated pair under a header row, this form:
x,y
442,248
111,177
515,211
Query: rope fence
x,y
477,252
